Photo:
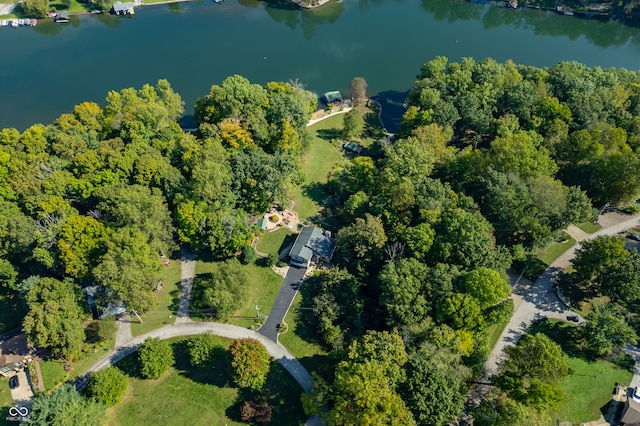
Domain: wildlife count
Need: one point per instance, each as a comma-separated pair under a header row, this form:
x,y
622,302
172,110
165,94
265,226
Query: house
x,y
61,17
631,411
120,8
311,245
331,97
101,302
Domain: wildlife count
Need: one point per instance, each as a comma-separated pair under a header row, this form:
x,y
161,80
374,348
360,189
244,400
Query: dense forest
x,y
491,162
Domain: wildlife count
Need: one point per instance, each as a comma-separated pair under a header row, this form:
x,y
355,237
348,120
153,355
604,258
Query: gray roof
x,y
311,240
631,413
122,7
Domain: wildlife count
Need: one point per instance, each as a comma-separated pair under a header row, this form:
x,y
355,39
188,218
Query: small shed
x,y
311,244
331,97
120,8
262,223
352,147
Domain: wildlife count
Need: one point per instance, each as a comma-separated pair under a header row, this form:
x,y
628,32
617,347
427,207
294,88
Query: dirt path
x,y
123,333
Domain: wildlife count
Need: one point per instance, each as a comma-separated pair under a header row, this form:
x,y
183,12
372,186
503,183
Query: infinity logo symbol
x,y
18,411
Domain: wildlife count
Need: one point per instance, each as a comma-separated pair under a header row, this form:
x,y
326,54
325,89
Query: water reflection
x,y
284,11
545,23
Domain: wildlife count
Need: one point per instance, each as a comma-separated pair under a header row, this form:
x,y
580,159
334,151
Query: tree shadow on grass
x,y
329,134
130,365
215,371
315,191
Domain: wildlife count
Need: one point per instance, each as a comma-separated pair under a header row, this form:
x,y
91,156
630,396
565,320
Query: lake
x,y
46,70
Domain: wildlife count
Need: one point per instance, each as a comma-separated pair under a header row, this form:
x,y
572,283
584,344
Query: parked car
x,y
634,237
573,318
14,383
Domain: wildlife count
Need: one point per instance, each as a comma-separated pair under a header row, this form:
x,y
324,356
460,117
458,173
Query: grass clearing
x,y
554,250
589,227
275,241
167,302
201,395
494,332
300,339
264,285
53,369
6,401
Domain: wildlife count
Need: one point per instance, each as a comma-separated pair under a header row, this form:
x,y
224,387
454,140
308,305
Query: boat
x,y
14,23
4,23
21,22
34,22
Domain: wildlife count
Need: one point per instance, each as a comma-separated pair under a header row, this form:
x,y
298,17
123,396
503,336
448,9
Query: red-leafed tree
x,y
250,362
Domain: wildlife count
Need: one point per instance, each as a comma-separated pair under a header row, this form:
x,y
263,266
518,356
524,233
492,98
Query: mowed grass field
x,y
206,395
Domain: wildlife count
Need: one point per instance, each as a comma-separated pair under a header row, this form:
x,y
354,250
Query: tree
x,y
358,89
536,356
500,410
108,386
594,258
129,269
353,124
248,255
54,319
360,244
81,243
250,362
35,8
406,292
466,239
221,291
201,348
360,394
461,311
65,406
434,396
605,328
156,357
487,286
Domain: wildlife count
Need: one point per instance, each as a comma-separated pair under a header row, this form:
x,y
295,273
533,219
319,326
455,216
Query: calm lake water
x,y
45,71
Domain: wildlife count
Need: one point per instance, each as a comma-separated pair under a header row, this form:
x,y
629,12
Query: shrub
x,y
252,412
201,348
269,260
108,386
248,255
250,362
155,357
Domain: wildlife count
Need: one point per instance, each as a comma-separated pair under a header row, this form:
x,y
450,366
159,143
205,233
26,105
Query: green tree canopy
x,y
155,357
108,386
65,406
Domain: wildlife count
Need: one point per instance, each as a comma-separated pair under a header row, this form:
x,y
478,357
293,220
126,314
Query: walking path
x,y
536,301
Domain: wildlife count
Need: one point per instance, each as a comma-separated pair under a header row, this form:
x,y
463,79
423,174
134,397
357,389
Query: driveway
x,y
282,303
23,394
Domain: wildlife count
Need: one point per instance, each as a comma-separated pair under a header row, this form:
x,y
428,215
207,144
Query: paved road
x,y
538,300
282,303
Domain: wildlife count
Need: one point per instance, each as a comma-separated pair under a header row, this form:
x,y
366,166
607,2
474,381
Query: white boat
x,y
4,23
20,21
14,23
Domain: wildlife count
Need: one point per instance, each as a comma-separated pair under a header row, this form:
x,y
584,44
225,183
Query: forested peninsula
x,y
491,163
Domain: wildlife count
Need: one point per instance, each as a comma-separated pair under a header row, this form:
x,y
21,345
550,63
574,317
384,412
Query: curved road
x,y
537,300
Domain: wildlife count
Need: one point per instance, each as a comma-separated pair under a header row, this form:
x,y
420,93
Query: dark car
x,y
634,237
14,383
573,318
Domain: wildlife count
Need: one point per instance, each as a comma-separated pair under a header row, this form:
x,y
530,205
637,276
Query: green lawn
x,y
165,311
300,339
320,159
273,242
551,252
201,395
264,285
494,332
5,401
589,227
11,310
588,388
